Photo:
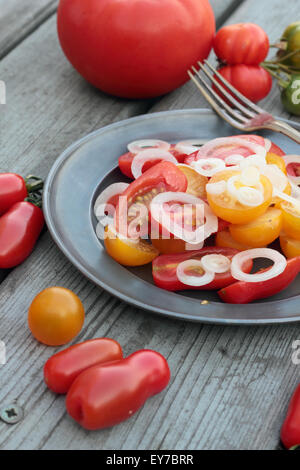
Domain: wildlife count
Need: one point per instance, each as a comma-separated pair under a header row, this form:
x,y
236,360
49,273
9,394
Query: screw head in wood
x,y
11,414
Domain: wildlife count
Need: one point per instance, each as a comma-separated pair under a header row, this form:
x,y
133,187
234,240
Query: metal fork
x,y
243,114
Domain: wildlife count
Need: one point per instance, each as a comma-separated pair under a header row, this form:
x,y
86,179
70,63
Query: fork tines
x,y
231,105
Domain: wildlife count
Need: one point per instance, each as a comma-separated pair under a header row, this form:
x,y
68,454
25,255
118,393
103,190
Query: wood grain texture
x,y
20,18
230,385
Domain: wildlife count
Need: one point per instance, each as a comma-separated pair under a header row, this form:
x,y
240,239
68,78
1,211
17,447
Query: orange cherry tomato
x,y
55,316
274,159
259,232
196,182
291,219
128,252
290,246
224,239
228,208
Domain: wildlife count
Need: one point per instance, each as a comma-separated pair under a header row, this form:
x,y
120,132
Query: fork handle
x,y
286,129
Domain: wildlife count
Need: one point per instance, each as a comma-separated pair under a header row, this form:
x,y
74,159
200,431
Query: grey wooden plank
x,y
229,386
20,18
273,18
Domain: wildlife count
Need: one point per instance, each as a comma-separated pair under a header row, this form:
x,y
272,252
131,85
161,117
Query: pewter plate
x,y
89,165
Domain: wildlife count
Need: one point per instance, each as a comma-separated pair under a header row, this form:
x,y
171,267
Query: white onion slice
x,y
191,280
253,160
240,258
276,176
139,145
216,263
193,237
268,144
255,148
149,155
288,159
250,176
234,159
189,146
214,165
249,196
285,197
101,201
231,187
216,188
295,189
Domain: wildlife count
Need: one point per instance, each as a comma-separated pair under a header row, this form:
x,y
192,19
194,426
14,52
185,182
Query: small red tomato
x,y
12,190
20,228
105,395
62,368
242,43
252,81
290,431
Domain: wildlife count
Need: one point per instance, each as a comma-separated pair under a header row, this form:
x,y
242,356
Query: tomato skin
x,y
252,81
63,368
105,395
242,43
55,316
242,292
12,190
165,175
259,232
256,139
125,161
20,228
164,172
290,431
126,252
164,269
290,247
115,46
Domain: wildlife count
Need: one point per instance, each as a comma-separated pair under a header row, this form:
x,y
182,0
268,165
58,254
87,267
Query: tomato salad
x,y
201,212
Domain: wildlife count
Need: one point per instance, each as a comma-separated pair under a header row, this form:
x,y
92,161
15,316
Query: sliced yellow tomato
x,y
259,232
290,247
273,159
169,246
128,252
291,219
228,208
225,240
196,182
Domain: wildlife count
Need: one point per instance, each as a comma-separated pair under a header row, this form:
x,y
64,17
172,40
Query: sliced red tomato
x,y
164,269
225,150
125,161
132,209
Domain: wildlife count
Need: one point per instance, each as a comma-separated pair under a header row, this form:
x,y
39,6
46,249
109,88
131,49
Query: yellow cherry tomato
x,y
128,252
228,208
225,240
196,182
259,232
291,219
290,246
55,316
273,159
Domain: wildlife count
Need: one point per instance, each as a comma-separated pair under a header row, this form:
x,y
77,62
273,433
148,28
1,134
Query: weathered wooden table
x,y
230,385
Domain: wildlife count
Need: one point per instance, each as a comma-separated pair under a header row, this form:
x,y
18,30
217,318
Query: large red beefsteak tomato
x,y
135,48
